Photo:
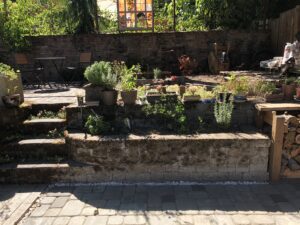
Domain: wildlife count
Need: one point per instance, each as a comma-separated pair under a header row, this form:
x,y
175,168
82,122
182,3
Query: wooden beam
x,y
268,117
276,149
277,106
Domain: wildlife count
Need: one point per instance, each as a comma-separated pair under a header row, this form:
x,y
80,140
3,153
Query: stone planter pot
x,y
191,98
12,101
129,97
109,97
92,93
153,97
273,97
15,86
240,98
208,100
289,91
222,97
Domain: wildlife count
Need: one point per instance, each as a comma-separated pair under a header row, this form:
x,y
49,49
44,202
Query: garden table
x,y
57,62
267,112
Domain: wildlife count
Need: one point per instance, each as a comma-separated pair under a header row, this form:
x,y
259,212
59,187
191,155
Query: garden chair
x,y
74,72
32,74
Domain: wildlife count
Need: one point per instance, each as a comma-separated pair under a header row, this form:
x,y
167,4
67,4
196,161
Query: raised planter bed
x,y
206,157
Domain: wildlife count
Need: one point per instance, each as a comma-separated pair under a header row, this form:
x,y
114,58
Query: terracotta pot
x,y
288,91
129,97
92,93
298,92
109,97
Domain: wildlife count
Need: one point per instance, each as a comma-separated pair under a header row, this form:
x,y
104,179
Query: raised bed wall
x,y
205,157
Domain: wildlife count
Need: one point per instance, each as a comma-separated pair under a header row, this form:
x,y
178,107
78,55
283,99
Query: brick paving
x,y
251,204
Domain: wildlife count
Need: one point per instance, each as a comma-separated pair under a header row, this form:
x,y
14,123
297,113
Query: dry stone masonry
x,y
205,157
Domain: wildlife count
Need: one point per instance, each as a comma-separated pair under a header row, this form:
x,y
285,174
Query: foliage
x,y
108,22
290,80
6,70
237,85
187,65
204,93
223,113
265,87
45,114
96,125
102,74
173,88
129,78
191,91
157,73
84,14
170,112
32,18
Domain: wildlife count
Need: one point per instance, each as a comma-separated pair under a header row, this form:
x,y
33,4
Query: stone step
x,y
43,125
31,173
34,149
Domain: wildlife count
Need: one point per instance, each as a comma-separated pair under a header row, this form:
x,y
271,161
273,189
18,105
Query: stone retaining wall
x,y
149,49
205,157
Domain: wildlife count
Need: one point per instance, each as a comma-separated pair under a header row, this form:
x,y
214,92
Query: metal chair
x,y
74,72
32,74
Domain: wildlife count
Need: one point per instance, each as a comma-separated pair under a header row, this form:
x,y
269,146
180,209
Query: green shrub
x,y
102,74
157,73
6,70
129,78
223,113
170,112
265,87
96,125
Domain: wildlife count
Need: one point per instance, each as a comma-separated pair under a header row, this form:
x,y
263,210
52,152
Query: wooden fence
x,y
284,28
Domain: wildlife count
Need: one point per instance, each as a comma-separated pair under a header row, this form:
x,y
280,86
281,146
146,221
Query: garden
x,y
78,85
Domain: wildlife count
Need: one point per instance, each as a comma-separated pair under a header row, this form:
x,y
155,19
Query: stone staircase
x,y
38,151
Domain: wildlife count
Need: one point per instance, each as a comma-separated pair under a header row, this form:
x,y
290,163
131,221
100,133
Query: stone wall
x,y
205,157
149,49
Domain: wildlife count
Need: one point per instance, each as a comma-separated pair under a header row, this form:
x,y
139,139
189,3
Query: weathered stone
x,y
72,208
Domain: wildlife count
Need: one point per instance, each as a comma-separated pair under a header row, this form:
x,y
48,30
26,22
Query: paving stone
x,y
72,208
39,221
162,220
59,202
201,220
185,220
241,220
261,220
115,220
222,219
286,220
134,220
89,211
52,212
77,220
47,200
61,221
106,212
40,211
96,220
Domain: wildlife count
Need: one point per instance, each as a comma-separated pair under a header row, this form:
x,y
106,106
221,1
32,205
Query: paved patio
x,y
257,204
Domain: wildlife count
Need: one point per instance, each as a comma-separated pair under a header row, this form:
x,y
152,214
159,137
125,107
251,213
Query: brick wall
x,y
150,49
205,157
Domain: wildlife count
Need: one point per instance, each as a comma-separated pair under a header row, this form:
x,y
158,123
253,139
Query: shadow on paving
x,y
283,197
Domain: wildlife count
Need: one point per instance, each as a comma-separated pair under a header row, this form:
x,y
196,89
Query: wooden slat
x,y
276,149
268,117
277,107
291,174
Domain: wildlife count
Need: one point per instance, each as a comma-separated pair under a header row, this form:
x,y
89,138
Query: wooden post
x,y
276,149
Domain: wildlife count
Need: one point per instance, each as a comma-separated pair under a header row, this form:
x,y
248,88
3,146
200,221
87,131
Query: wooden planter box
x,y
6,84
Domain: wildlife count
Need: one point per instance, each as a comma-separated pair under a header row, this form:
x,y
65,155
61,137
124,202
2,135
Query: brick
x,y
47,200
59,202
40,211
61,221
52,212
241,220
201,220
222,219
89,211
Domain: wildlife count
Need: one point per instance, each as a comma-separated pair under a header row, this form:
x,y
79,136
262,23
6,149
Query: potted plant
x,y
206,96
239,87
222,93
11,88
157,73
191,95
128,85
103,81
289,88
269,91
153,95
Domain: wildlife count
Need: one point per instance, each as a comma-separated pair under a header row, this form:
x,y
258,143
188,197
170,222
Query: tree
x,y
84,13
